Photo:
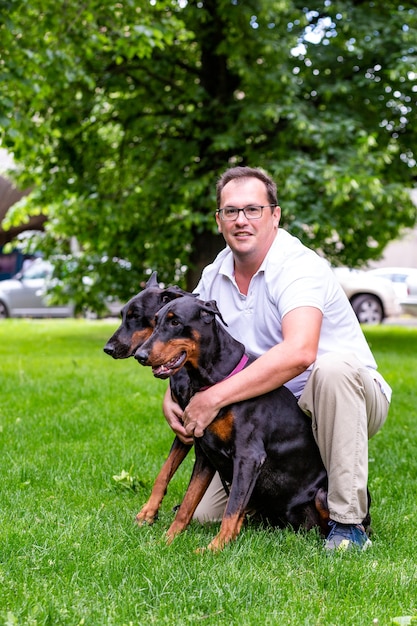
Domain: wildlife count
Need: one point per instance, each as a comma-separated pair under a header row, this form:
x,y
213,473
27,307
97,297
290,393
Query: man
x,y
283,302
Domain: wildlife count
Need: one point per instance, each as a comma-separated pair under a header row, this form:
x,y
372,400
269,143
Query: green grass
x,y
71,418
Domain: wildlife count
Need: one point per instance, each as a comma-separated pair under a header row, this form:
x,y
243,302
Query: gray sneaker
x,y
344,537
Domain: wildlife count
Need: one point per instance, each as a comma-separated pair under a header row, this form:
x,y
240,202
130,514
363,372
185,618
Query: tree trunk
x,y
205,248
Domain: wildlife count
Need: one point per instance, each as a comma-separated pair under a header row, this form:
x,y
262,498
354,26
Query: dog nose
x,y
109,349
141,356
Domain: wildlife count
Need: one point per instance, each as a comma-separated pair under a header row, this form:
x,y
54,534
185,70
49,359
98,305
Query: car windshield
x,y
37,270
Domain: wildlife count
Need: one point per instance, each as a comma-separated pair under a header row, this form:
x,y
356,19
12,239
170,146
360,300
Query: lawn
x,y
82,438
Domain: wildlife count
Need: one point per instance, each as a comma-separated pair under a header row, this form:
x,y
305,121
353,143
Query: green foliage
x,y
122,116
72,418
127,480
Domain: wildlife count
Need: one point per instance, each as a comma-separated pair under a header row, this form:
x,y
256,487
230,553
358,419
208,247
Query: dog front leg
x,y
201,478
245,474
177,454
229,530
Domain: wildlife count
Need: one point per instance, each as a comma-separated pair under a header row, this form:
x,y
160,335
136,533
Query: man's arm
x,y
298,350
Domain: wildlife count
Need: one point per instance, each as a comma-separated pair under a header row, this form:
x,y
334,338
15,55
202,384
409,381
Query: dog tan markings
x,y
229,530
149,511
139,337
223,428
162,353
201,478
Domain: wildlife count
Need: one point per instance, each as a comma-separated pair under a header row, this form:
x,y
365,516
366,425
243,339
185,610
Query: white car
x,y
398,276
372,298
25,294
409,301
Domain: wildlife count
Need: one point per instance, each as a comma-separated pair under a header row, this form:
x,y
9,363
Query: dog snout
x,y
109,349
142,356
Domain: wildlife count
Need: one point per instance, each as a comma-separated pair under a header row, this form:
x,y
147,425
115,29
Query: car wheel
x,y
368,309
3,310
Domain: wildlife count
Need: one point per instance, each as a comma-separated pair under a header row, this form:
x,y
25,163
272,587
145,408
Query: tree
x,y
123,116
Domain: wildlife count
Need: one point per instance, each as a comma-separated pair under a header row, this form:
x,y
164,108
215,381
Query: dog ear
x,y
153,280
207,316
172,292
211,308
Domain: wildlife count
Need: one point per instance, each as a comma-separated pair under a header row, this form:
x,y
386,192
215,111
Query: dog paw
x,y
174,530
143,518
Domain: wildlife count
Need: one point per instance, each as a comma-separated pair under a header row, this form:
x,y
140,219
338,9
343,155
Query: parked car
x,y
25,295
372,298
13,262
398,276
409,301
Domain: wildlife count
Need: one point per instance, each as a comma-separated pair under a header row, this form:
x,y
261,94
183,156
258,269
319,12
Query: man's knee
x,y
333,366
334,376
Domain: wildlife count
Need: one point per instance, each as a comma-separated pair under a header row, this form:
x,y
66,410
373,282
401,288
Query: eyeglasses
x,y
251,212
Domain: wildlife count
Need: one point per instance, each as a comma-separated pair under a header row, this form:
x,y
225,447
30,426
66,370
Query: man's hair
x,y
241,172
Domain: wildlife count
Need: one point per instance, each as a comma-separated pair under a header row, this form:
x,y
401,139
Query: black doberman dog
x,y
138,318
263,448
138,321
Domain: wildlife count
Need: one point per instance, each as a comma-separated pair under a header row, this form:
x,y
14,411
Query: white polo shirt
x,y
290,276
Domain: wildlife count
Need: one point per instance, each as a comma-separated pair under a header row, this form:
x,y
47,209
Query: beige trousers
x,y
347,407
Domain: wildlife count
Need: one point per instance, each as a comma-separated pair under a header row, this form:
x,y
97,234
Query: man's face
x,y
246,237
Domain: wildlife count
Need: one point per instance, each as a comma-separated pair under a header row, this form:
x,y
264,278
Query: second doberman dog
x,y
138,318
263,447
138,321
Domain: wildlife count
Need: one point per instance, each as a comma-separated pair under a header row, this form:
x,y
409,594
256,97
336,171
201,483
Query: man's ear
x,y
219,224
277,215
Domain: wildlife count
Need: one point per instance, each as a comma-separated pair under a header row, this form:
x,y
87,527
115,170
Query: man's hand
x,y
174,416
199,413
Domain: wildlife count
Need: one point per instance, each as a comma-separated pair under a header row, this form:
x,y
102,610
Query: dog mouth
x,y
170,367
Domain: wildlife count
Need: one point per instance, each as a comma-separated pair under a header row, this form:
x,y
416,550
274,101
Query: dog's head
x,y
138,318
181,327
